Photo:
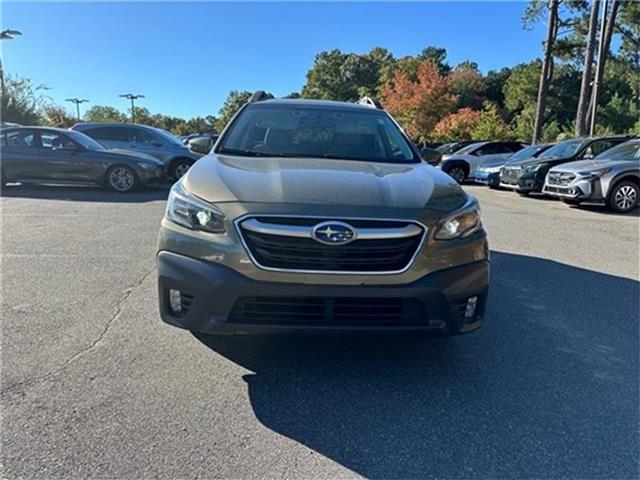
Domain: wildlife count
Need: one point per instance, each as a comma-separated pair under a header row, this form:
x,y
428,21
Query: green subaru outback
x,y
320,215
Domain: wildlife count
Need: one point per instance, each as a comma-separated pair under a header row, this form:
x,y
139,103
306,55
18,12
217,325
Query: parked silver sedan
x,y
613,177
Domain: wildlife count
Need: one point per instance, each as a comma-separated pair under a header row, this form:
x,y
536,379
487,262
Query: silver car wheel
x,y
181,169
121,179
626,197
457,174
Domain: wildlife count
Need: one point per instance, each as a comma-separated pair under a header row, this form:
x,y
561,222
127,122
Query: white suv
x,y
464,163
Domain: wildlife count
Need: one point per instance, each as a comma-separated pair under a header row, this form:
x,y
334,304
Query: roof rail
x,y
259,96
370,102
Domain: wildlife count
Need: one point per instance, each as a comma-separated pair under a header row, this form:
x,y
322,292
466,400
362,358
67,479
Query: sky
x,y
186,57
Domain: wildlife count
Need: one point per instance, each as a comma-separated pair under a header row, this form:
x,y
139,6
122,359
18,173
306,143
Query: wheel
x,y
122,179
623,197
456,172
180,167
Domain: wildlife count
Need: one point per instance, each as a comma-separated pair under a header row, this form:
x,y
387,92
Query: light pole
x,y
5,35
132,97
77,101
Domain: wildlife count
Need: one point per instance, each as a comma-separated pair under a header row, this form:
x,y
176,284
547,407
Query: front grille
x,y
561,179
295,253
329,311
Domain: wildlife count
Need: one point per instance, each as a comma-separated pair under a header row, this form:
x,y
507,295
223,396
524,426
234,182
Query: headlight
x,y
460,224
189,211
533,168
595,173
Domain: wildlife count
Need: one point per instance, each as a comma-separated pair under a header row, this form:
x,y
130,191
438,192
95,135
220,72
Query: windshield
x,y
626,151
85,141
317,131
169,137
564,149
447,148
527,152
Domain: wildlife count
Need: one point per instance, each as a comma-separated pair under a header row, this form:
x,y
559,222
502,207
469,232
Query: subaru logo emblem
x,y
334,233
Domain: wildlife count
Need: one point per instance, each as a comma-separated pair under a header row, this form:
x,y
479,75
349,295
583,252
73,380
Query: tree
x,y
456,126
585,87
419,105
467,83
546,73
105,113
494,85
437,56
56,116
21,101
490,124
235,100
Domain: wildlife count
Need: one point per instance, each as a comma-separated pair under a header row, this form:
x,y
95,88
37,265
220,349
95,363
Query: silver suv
x,y
144,139
613,177
316,215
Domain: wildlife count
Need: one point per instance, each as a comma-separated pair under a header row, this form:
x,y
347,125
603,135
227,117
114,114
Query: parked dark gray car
x,y
144,139
63,157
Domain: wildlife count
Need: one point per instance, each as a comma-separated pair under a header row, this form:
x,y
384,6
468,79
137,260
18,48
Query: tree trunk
x,y
607,32
547,70
585,86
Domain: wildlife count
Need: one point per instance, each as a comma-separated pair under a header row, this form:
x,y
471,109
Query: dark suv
x,y
143,139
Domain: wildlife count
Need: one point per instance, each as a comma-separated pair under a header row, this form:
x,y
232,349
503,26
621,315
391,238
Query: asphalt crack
x,y
127,293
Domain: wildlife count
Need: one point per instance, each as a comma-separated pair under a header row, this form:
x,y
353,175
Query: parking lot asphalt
x,y
95,385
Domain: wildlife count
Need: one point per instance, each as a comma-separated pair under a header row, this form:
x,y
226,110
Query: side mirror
x,y
430,155
200,145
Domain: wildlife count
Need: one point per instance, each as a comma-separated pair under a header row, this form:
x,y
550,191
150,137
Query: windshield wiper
x,y
242,153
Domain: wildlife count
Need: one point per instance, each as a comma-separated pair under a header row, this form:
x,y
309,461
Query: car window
x,y
492,149
596,148
109,134
55,141
18,139
310,131
564,149
626,151
141,136
527,152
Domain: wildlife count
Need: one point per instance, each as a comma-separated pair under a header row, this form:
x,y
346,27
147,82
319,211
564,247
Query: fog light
x,y
175,301
572,191
470,311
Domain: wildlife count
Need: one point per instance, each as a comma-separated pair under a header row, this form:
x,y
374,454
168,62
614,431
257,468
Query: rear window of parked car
x,y
113,134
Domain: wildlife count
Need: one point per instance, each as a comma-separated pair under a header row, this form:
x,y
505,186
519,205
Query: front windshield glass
x,y
168,136
564,149
447,148
317,131
85,141
525,153
626,151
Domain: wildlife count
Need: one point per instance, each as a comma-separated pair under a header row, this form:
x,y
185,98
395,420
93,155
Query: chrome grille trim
x,y
402,233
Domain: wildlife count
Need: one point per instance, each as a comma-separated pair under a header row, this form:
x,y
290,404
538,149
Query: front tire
x,y
122,179
623,197
180,167
456,172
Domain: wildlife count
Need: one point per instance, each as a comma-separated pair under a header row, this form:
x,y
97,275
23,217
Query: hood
x,y
134,155
588,165
221,178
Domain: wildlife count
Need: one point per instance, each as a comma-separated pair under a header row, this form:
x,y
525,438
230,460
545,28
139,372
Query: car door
x,y
143,141
483,154
20,160
63,159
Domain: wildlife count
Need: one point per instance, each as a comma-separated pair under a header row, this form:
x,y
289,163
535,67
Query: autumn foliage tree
x,y
419,105
456,126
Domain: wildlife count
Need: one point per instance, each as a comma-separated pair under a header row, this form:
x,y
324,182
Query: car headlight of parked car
x,y
189,211
533,168
461,224
593,174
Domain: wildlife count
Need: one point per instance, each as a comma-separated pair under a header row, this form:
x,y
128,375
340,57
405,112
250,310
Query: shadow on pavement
x,y
547,388
85,194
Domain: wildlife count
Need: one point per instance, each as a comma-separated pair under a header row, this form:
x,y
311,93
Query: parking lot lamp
x,y
132,97
77,101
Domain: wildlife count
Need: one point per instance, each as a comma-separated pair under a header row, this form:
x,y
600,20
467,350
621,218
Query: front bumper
x,y
582,189
213,291
487,178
